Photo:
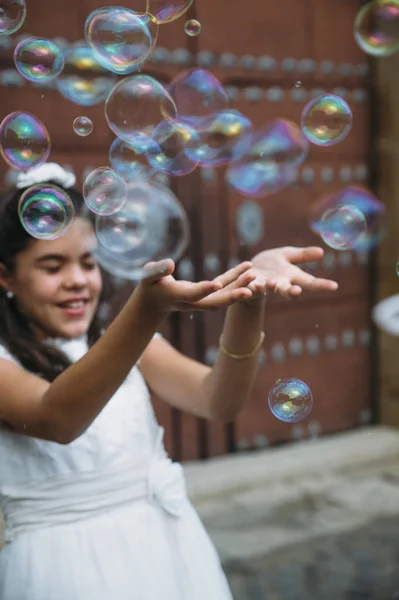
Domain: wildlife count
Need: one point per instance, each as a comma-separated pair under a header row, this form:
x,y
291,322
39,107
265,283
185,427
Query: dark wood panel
x,y
339,379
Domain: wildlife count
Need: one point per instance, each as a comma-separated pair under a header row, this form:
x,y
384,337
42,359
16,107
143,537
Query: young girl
x,y
93,507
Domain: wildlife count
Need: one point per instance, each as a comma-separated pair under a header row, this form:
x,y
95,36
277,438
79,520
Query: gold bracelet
x,y
242,356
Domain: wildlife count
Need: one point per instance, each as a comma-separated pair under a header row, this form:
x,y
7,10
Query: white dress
x,y
105,517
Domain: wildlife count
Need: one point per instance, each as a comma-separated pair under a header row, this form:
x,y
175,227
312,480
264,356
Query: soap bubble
x,y
12,16
137,103
385,315
152,225
165,11
342,227
104,191
197,93
377,27
46,211
24,141
130,159
218,135
84,81
192,27
326,120
119,38
38,60
173,140
353,216
265,162
82,126
290,400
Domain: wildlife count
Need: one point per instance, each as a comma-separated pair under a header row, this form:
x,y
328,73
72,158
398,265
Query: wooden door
x,y
272,58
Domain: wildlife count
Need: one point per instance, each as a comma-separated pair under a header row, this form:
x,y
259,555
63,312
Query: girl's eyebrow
x,y
59,257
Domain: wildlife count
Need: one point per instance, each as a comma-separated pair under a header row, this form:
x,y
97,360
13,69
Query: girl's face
x,y
57,283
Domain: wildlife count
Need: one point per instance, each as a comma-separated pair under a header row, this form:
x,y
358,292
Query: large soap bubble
x,y
326,120
84,80
377,27
218,135
173,141
265,162
24,141
119,38
104,191
46,211
130,160
152,225
351,218
137,103
165,11
38,60
12,16
197,94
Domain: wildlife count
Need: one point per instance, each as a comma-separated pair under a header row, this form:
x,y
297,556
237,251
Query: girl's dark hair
x,y
16,333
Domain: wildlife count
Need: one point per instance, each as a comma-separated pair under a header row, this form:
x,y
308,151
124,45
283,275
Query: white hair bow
x,y
45,173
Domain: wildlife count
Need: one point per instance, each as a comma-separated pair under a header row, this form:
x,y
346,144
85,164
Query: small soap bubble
x,y
119,38
46,211
24,141
197,94
290,400
84,80
82,126
38,60
218,135
137,103
351,218
298,84
192,27
326,120
166,11
104,191
342,227
12,16
377,27
173,141
130,159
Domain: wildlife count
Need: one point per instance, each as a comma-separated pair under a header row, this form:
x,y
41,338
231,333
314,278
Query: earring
x,y
9,295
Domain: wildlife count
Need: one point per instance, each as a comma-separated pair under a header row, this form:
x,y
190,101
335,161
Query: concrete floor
x,y
314,520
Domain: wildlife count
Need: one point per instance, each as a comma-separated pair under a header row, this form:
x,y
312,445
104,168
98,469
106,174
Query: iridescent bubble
x,y
173,141
351,218
38,60
82,126
342,227
119,38
290,400
166,11
265,162
12,16
137,103
84,81
104,191
192,27
326,120
24,141
152,225
130,160
377,27
218,135
197,93
46,211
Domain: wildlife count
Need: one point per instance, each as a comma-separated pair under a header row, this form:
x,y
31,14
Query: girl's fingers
x,y
300,255
233,274
224,298
154,271
244,280
194,292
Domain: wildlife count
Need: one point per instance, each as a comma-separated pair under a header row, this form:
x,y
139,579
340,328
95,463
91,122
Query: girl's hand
x,y
276,271
165,294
